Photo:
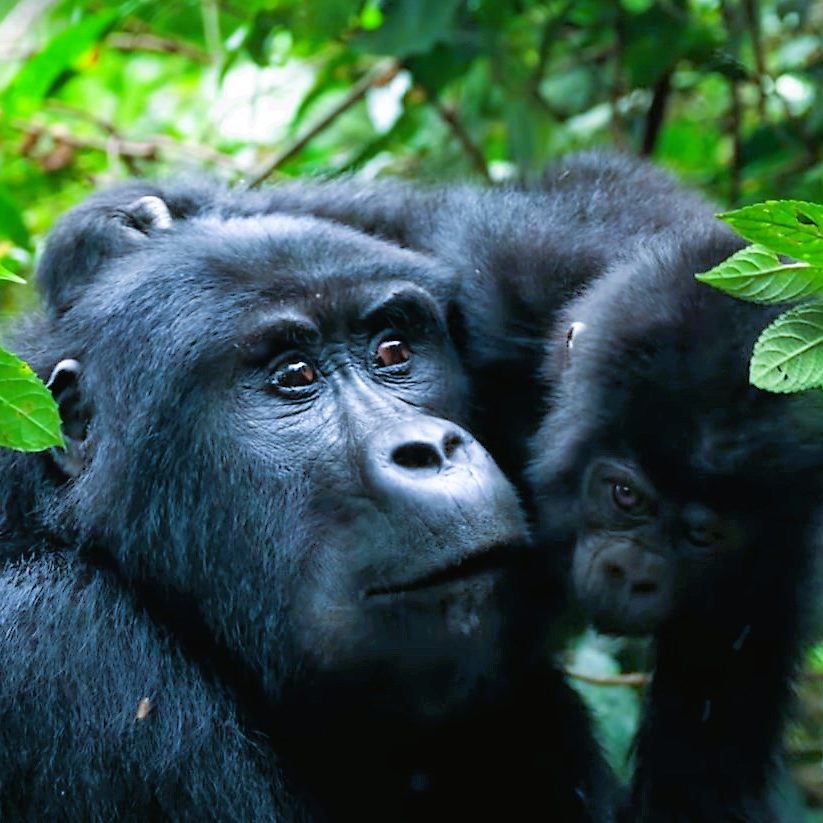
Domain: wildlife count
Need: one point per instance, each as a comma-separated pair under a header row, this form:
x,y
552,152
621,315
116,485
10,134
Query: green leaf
x,y
411,27
757,275
12,226
791,227
5,274
39,75
29,419
788,355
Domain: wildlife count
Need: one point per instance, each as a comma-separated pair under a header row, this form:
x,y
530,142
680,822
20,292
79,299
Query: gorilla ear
x,y
575,330
109,225
64,387
146,214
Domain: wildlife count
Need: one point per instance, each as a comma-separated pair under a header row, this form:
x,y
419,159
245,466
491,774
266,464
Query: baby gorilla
x,y
270,576
695,499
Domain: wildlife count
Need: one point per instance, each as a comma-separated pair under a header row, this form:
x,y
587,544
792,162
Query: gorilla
x,y
613,388
695,504
271,576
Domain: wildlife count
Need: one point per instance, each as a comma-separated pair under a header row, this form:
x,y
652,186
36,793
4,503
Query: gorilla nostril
x,y
451,443
417,456
614,572
644,587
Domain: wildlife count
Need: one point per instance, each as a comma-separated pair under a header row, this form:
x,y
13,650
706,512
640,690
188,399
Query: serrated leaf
x,y
757,275
790,227
788,355
29,418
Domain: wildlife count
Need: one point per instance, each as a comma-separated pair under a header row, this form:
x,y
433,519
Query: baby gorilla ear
x,y
74,413
108,226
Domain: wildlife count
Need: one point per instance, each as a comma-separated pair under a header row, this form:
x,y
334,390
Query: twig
x,y
379,75
735,110
121,147
450,118
751,12
617,80
656,113
547,39
635,680
123,41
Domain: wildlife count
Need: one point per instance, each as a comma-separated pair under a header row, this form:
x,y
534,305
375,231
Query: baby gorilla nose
x,y
630,570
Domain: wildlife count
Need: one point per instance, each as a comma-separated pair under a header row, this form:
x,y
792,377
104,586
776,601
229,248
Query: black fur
x,y
244,593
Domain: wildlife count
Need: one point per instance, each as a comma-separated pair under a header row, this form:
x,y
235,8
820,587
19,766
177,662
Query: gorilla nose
x,y
630,570
440,474
429,454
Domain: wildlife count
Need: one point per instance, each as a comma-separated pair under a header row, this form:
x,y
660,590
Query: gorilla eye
x,y
626,497
392,353
294,374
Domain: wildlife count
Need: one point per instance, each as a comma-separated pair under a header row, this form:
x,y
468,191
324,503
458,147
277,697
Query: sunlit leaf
x,y
788,356
29,419
757,275
10,276
790,227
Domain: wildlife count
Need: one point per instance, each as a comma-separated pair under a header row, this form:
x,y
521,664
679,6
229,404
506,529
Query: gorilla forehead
x,y
205,280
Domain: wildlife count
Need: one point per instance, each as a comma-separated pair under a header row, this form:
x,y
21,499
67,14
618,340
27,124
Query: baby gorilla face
x,y
639,556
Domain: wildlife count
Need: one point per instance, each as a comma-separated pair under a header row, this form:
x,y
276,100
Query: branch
x,y
449,117
115,145
617,81
123,41
379,75
751,12
735,111
635,680
547,39
656,113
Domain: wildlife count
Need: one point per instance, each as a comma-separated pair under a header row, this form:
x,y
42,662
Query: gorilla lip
x,y
494,558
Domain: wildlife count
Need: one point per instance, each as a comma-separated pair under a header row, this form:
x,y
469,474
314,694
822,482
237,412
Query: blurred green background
x,y
729,95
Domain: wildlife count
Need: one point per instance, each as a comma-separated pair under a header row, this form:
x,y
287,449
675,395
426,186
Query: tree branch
x,y
656,113
379,75
123,41
449,117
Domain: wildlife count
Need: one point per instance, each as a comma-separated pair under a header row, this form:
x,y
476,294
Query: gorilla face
x,y
268,447
640,554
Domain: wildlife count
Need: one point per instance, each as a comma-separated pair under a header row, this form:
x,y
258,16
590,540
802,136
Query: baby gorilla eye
x,y
626,497
295,373
392,352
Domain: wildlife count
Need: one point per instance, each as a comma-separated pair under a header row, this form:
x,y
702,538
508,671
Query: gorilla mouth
x,y
494,559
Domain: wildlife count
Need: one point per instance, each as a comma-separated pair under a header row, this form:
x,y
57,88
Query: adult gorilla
x,y
270,577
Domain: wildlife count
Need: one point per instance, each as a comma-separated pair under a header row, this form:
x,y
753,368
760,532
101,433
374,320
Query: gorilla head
x,y
684,476
263,431
269,521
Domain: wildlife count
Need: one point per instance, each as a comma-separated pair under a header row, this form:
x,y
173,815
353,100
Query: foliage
x,y
788,355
